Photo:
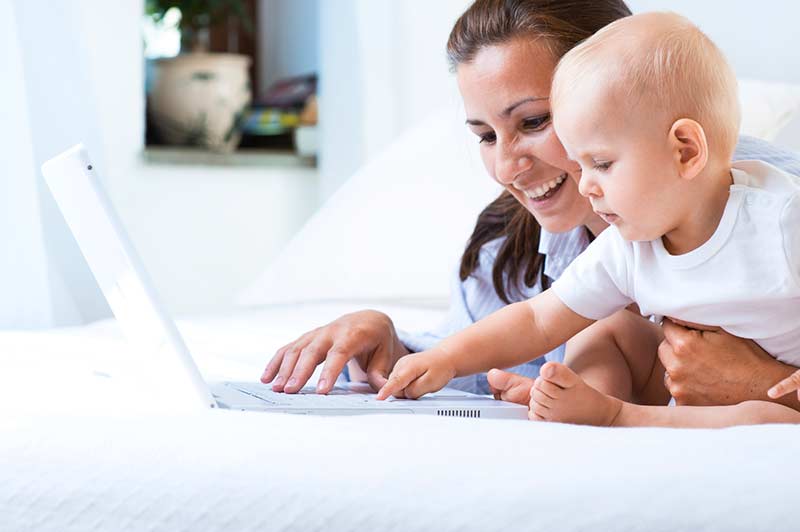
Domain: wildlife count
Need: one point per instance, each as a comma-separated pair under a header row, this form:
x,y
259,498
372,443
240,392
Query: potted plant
x,y
200,98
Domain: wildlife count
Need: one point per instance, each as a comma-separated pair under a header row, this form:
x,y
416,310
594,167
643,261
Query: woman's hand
x,y
716,368
787,385
368,337
418,374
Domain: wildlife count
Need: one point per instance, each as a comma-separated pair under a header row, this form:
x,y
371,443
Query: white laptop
x,y
120,274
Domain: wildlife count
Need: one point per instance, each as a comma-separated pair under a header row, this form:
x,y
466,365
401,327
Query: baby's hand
x,y
789,384
418,374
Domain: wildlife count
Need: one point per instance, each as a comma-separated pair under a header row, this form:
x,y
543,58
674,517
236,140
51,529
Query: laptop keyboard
x,y
307,397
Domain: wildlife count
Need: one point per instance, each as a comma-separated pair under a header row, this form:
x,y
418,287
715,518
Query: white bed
x,y
98,458
80,451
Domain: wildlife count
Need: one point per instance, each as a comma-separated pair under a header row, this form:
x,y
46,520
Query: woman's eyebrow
x,y
508,110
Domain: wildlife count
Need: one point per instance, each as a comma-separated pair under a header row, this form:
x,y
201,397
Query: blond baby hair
x,y
663,65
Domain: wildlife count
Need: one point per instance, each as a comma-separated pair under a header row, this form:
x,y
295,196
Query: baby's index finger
x,y
385,391
393,385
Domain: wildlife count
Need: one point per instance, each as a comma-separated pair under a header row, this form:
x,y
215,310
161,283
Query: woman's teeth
x,y
542,190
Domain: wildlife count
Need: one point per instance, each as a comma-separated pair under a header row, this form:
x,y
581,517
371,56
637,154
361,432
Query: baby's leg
x,y
619,356
560,394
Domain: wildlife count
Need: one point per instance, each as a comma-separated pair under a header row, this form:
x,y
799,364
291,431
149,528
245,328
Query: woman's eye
x,y
602,166
488,138
536,123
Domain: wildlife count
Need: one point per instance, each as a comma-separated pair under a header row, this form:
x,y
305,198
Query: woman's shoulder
x,y
752,148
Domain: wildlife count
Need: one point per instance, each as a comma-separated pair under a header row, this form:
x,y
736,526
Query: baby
x,y
648,108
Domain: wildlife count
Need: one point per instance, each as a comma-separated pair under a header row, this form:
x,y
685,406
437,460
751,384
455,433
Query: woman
x,y
503,53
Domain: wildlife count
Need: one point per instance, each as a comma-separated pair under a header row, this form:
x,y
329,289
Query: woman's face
x,y
506,92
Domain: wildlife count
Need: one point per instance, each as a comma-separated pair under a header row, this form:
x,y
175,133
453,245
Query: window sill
x,y
187,156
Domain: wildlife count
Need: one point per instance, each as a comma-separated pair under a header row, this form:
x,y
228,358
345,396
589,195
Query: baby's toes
x,y
547,388
539,397
538,411
559,375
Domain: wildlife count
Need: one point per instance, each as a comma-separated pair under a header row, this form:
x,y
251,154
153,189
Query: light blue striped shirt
x,y
475,297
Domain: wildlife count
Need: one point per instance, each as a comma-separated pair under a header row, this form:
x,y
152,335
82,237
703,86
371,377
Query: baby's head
x,y
646,105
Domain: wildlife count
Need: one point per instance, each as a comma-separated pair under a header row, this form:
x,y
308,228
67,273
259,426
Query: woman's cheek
x,y
554,153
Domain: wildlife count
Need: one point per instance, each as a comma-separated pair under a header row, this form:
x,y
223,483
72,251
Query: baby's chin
x,y
633,235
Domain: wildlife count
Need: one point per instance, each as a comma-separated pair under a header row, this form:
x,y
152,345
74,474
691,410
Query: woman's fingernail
x,y
321,384
291,382
279,381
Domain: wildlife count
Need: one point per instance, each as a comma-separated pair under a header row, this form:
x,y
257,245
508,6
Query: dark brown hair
x,y
562,24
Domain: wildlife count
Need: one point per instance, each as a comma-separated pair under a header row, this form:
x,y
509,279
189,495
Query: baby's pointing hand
x,y
415,375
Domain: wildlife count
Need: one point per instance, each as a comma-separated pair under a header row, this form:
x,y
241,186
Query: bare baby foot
x,y
559,394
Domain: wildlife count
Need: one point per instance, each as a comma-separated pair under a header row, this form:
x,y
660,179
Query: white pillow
x,y
767,107
395,230
789,136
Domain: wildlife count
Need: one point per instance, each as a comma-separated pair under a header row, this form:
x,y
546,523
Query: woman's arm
x,y
716,368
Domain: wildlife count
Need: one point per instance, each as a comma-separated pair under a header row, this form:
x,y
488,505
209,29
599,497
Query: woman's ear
x,y
690,147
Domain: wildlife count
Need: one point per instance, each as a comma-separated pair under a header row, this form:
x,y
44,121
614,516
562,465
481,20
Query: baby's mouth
x,y
607,217
546,190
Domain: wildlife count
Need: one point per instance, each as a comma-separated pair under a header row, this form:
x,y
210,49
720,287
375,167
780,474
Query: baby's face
x,y
627,167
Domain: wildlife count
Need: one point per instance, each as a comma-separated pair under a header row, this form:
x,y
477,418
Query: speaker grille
x,y
459,413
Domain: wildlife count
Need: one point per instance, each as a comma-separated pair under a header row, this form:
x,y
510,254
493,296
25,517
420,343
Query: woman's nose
x,y
511,161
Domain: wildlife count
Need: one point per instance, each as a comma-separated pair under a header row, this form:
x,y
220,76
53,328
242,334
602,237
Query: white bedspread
x,y
91,460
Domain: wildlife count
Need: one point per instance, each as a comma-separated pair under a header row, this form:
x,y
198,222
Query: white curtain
x,y
57,65
24,294
382,71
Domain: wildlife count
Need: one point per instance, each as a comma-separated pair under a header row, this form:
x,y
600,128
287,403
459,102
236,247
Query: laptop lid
x,y
119,272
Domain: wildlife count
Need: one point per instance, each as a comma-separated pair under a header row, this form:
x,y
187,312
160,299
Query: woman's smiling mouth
x,y
546,190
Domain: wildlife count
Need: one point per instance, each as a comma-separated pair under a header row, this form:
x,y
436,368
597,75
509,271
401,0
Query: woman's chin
x,y
556,224
559,214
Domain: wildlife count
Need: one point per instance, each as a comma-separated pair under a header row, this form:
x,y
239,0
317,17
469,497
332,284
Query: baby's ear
x,y
690,147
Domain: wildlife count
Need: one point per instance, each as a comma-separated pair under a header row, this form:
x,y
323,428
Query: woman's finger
x,y
789,384
335,361
274,365
310,357
288,363
345,348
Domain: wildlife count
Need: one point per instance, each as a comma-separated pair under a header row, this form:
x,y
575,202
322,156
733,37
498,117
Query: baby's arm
x,y
512,335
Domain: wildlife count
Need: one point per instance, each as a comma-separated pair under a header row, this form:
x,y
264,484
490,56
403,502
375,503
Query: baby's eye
x,y
602,166
488,138
536,123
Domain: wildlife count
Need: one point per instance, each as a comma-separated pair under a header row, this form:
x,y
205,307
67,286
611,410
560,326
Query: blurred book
x,y
289,92
270,121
